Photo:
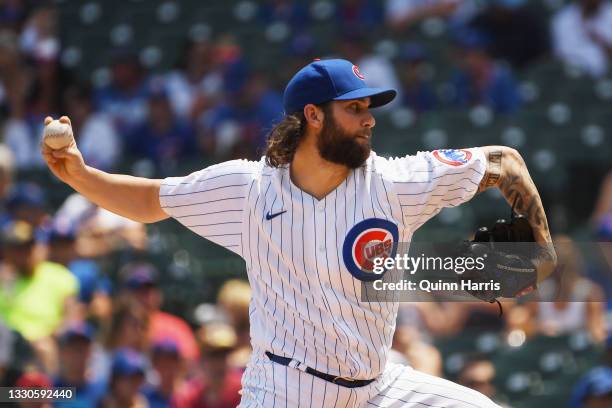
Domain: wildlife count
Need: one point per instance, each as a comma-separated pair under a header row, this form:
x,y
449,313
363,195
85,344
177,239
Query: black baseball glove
x,y
508,269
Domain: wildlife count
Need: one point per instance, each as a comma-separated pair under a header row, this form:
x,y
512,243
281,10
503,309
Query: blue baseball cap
x,y
128,362
80,330
595,383
165,346
26,194
141,275
62,229
331,80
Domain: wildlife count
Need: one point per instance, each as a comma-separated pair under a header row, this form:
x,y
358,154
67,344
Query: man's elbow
x,y
513,156
152,217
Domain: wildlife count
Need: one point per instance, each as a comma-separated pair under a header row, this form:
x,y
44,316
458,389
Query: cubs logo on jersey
x,y
453,157
369,239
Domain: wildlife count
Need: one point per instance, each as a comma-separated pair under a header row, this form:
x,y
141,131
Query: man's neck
x,y
313,174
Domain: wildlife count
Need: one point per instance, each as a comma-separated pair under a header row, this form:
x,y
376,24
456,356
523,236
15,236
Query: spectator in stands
x,y
478,373
431,318
163,138
518,34
127,377
359,15
36,297
37,380
127,328
417,91
143,286
27,202
75,347
293,13
300,51
571,302
101,232
603,204
602,226
34,84
94,132
125,98
197,82
168,367
21,130
39,42
44,93
237,127
10,64
478,80
94,289
218,386
377,69
234,298
402,14
582,35
7,171
477,316
12,14
420,355
15,354
39,35
594,390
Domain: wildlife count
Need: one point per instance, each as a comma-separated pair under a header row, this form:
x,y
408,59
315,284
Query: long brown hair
x,y
285,137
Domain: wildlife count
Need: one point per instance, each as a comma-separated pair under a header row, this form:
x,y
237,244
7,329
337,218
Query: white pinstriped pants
x,y
268,384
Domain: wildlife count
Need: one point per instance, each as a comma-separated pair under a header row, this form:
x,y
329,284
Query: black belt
x,y
343,381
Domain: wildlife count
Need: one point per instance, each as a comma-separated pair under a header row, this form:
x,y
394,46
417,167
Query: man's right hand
x,y
135,198
67,164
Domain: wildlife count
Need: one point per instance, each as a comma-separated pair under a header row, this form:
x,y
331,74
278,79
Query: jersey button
x,y
321,209
321,248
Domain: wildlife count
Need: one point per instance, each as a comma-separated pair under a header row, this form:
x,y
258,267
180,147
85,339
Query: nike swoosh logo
x,y
269,216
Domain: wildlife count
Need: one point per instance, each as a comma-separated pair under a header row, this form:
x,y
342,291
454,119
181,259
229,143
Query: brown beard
x,y
338,146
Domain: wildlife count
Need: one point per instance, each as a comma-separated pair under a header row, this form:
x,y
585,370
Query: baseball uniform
x,y
306,260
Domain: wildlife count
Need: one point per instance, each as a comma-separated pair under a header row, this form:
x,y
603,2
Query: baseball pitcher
x,y
302,217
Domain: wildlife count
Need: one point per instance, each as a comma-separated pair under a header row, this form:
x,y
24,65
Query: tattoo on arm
x,y
493,172
507,171
518,187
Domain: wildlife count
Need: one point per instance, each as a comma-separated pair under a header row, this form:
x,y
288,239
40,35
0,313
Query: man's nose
x,y
369,120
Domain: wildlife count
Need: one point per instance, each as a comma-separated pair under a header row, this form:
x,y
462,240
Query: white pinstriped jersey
x,y
301,253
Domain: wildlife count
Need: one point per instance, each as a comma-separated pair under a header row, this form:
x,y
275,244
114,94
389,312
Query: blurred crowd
x,y
69,317
213,103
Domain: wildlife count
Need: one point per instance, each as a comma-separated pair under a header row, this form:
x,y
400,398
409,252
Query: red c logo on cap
x,y
357,73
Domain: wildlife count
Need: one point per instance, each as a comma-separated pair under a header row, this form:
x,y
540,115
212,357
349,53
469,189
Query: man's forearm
x,y
135,198
507,171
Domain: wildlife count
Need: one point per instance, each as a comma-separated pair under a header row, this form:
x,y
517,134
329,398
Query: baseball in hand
x,y
58,135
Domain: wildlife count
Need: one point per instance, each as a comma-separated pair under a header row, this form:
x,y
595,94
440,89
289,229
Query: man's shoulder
x,y
55,275
384,162
433,161
239,165
234,172
55,269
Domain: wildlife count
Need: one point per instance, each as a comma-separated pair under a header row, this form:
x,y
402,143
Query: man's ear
x,y
314,115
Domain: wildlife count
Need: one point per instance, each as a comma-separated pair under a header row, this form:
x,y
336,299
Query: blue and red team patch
x,y
453,157
357,73
367,240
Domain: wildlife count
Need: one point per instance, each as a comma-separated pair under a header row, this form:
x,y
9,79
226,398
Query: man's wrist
x,y
80,178
545,261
